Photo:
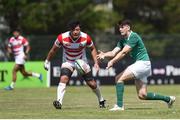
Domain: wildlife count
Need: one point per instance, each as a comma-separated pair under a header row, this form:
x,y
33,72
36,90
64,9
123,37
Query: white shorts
x,y
68,65
20,60
141,70
71,66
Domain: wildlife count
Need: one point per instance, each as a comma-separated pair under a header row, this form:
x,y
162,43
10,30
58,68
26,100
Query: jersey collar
x,y
16,38
74,40
129,35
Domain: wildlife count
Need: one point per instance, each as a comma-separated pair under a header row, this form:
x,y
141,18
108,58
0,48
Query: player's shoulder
x,y
85,36
64,35
11,39
21,37
135,35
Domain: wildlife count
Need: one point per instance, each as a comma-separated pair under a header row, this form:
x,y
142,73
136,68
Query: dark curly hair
x,y
73,23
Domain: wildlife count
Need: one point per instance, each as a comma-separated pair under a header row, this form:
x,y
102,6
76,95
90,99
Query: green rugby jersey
x,y
138,51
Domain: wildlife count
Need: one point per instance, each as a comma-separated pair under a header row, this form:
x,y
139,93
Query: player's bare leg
x,y
33,74
24,72
14,72
144,95
16,68
61,89
121,77
95,88
20,68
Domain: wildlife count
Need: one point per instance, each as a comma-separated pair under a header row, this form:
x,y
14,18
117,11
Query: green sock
x,y
119,93
154,96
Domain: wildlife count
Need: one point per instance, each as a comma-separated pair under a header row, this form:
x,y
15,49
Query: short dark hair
x,y
125,22
73,23
16,29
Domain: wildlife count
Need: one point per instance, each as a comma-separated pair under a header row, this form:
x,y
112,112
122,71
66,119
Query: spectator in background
x,y
74,42
131,43
16,46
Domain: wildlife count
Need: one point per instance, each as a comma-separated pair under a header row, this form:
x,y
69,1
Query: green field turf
x,y
81,103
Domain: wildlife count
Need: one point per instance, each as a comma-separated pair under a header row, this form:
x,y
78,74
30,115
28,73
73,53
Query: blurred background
x,y
42,20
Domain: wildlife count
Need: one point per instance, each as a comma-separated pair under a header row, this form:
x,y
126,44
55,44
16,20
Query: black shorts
x,y
88,76
67,72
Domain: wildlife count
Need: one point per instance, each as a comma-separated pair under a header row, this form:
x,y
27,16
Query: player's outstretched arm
x,y
94,56
119,56
9,50
109,54
50,55
28,48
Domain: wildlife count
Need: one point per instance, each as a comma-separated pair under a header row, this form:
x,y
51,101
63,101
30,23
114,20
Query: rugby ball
x,y
82,67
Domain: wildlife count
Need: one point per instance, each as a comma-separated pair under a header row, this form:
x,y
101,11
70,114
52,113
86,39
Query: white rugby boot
x,y
172,100
117,108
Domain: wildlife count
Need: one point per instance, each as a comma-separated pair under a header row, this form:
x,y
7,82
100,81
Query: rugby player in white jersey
x,y
131,43
16,46
74,43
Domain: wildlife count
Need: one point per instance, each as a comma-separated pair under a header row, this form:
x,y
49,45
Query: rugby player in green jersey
x,y
131,43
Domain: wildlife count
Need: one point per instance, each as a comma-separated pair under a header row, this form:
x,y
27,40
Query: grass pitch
x,y
81,103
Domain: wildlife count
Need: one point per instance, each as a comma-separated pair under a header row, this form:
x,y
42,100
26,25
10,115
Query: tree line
x,y
51,16
156,20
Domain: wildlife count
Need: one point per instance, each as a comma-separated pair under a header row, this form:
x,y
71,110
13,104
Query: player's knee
x,y
92,84
118,79
25,74
142,95
65,75
64,79
15,70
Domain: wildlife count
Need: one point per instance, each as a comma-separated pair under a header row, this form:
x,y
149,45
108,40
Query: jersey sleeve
x,y
115,50
58,41
132,42
25,42
89,41
119,45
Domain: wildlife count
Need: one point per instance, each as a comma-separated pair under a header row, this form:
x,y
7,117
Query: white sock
x,y
35,74
60,92
13,84
98,93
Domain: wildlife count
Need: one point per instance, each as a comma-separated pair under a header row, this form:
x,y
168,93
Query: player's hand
x,y
110,64
96,66
25,57
46,65
101,55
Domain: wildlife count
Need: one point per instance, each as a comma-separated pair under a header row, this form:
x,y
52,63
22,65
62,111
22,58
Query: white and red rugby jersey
x,y
73,49
17,45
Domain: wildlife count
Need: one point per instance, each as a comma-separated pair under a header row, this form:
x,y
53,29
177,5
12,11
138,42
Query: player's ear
x,y
129,28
